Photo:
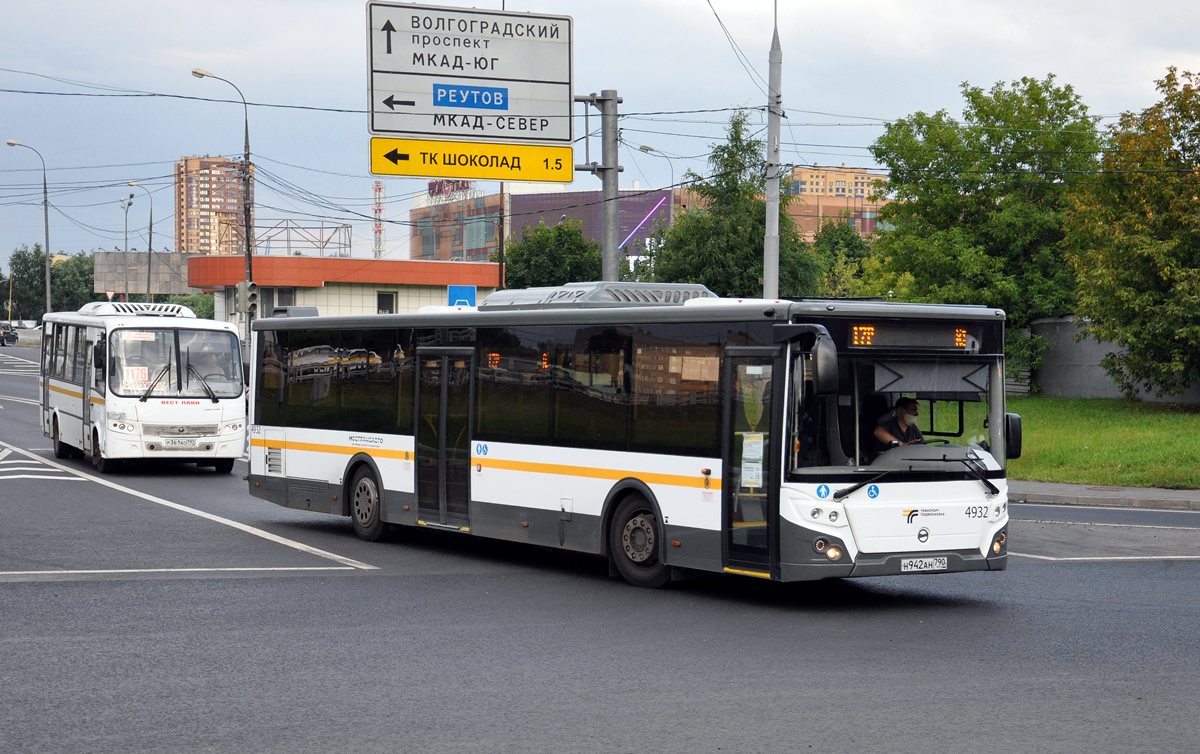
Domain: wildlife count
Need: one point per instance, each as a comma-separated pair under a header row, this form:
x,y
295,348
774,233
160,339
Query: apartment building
x,y
210,206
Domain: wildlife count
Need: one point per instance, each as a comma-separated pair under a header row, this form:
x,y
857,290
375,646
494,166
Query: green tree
x,y
1134,236
980,203
551,256
202,304
721,244
842,251
29,282
72,282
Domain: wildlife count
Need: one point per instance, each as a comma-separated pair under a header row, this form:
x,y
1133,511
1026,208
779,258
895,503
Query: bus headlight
x,y
233,427
124,426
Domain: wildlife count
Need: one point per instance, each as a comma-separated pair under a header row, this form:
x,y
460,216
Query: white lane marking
x,y
15,399
10,469
5,574
1102,558
1118,526
202,514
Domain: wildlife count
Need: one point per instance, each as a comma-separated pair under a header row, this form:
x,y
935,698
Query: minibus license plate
x,y
177,443
912,565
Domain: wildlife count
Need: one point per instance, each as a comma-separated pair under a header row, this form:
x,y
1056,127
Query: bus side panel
x,y
66,401
308,467
555,496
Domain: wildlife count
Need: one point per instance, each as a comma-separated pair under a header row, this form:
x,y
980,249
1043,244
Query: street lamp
x,y
648,150
45,214
246,201
125,205
149,237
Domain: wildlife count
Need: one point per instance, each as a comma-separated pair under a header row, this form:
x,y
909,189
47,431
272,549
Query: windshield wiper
x,y
154,384
968,462
211,393
842,493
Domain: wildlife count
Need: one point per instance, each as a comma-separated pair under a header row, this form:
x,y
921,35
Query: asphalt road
x,y
166,610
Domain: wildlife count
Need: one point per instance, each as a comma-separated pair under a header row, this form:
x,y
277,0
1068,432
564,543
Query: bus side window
x,y
80,356
99,366
60,349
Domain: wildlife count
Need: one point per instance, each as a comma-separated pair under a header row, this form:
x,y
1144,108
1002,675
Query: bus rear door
x,y
443,447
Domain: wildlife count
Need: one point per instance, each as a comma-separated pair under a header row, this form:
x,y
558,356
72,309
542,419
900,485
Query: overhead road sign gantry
x,y
478,161
469,75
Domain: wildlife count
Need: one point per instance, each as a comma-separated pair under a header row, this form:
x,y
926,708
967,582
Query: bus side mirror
x,y
98,356
825,366
1012,436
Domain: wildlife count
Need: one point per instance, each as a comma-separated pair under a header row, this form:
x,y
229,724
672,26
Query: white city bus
x,y
123,381
656,425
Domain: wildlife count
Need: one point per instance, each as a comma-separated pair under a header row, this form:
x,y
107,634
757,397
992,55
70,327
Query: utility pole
x,y
774,110
608,171
149,237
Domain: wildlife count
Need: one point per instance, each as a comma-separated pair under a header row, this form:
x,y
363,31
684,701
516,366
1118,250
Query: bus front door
x,y
443,451
751,504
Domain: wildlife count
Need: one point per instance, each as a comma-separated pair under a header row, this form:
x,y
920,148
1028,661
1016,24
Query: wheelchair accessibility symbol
x,y
873,491
823,491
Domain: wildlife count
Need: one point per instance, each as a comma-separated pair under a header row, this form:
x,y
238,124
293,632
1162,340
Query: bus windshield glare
x,y
175,363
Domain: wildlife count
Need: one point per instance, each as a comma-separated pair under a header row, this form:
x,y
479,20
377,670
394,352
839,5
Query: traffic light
x,y
251,306
247,298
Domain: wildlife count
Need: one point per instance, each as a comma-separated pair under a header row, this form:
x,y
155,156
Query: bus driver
x,y
899,426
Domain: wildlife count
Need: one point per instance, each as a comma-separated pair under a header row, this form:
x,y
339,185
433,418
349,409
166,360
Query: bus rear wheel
x,y
366,506
635,544
61,449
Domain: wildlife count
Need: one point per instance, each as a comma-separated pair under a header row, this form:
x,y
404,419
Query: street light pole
x,y
125,205
45,214
648,150
246,179
149,237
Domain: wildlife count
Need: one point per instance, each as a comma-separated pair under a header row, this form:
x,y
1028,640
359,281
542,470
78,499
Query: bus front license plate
x,y
913,565
171,443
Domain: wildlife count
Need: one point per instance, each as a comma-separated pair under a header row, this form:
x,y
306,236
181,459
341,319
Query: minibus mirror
x,y
98,356
1012,436
825,366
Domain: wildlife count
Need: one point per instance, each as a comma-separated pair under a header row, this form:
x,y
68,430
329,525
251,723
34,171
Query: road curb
x,y
1111,497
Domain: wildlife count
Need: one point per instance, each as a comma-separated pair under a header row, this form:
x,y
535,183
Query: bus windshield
x,y
958,408
177,363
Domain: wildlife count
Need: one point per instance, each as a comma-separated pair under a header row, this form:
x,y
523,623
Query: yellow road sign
x,y
471,160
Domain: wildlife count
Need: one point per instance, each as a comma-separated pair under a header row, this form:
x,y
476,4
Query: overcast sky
x,y
847,69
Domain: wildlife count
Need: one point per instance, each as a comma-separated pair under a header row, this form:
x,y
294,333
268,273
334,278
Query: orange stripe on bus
x,y
64,391
674,480
343,450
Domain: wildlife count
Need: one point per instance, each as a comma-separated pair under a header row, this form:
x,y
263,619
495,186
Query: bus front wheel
x,y
366,506
223,465
102,464
635,544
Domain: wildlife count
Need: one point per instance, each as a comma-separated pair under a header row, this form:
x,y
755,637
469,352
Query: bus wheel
x,y
102,464
223,465
634,543
61,449
365,506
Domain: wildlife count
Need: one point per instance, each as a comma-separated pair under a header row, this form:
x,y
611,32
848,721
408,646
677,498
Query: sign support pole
x,y
608,171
